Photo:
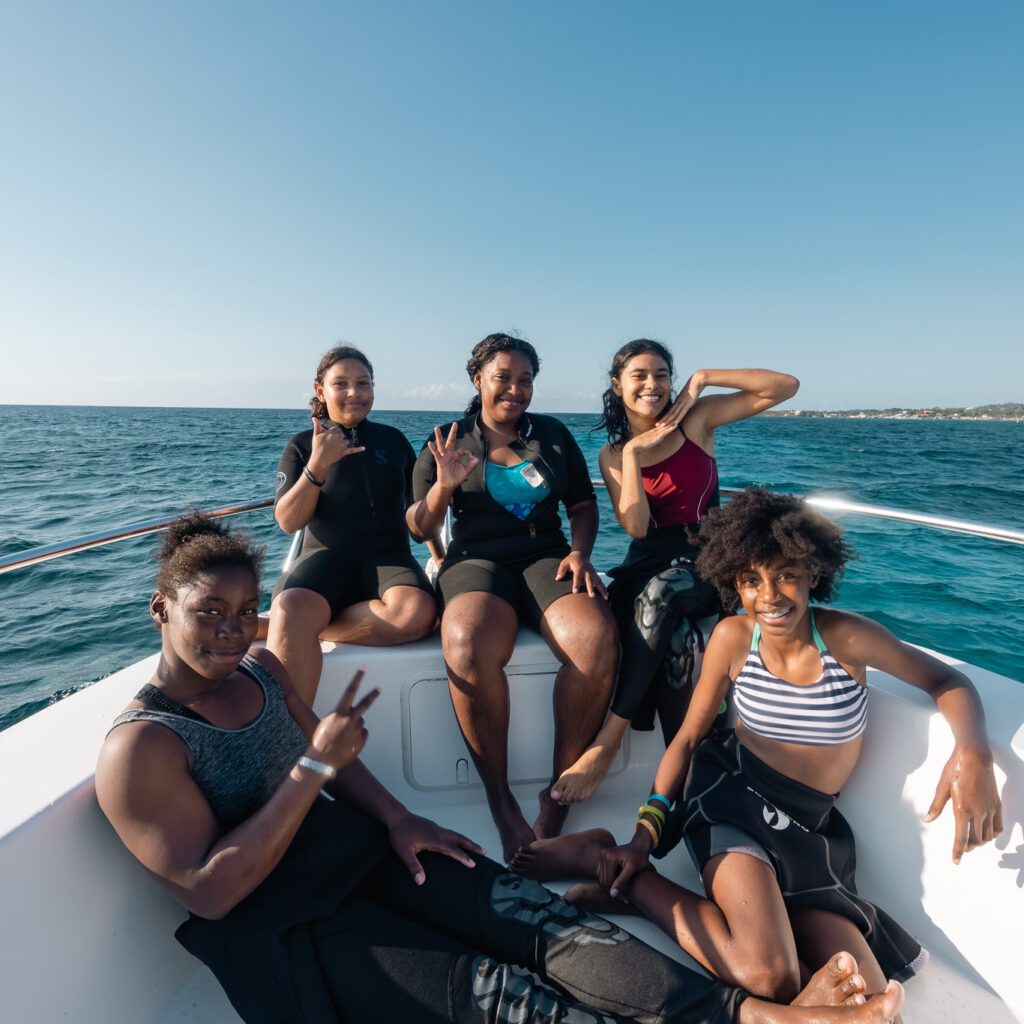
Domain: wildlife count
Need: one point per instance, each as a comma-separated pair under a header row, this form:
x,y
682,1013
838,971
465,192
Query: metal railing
x,y
33,556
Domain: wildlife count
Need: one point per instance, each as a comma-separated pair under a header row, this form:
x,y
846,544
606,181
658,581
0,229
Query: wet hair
x,y
197,545
484,351
613,418
755,528
329,358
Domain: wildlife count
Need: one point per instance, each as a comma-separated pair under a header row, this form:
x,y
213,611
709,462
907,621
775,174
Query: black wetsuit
x,y
493,550
356,546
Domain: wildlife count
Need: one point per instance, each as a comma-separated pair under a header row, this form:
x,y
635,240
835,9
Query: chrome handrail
x,y
33,556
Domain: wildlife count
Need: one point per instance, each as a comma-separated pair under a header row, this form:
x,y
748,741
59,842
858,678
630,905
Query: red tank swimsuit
x,y
679,488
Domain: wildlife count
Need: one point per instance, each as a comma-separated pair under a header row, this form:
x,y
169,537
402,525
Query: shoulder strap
x,y
156,700
755,638
815,635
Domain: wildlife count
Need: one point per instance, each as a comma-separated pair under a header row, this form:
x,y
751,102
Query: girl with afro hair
x,y
756,805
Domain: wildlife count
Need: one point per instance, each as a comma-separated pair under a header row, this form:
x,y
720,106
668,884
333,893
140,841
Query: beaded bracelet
x,y
654,812
650,828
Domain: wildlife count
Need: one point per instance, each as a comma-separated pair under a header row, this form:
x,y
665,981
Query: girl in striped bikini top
x,y
832,710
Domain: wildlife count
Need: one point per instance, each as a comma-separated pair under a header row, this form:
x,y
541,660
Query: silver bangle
x,y
320,767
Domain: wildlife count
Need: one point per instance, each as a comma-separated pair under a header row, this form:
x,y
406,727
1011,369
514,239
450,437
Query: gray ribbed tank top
x,y
237,770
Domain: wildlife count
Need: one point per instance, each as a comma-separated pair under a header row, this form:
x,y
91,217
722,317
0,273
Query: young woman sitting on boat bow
x,y
756,806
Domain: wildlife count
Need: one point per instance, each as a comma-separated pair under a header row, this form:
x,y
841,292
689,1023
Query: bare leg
x,y
297,618
582,634
741,933
478,635
403,614
581,779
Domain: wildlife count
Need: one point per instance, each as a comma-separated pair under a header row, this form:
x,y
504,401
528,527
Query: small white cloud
x,y
434,390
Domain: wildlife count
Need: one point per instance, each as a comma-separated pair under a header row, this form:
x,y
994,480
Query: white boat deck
x,y
87,936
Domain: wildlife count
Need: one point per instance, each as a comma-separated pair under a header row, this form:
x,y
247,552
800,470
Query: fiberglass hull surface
x,y
88,935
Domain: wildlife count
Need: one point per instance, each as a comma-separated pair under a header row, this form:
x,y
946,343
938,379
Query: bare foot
x,y
590,896
552,816
582,779
881,1009
513,829
836,984
572,856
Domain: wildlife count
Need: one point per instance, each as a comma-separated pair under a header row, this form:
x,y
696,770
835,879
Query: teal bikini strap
x,y
815,635
755,639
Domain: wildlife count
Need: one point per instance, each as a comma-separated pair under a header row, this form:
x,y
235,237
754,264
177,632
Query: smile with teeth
x,y
775,615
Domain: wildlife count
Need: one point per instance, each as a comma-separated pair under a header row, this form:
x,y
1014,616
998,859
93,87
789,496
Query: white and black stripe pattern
x,y
832,710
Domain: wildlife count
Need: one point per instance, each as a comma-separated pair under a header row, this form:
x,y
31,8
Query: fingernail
x,y
420,878
613,892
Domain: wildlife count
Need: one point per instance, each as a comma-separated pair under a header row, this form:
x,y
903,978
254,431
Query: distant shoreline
x,y
1012,411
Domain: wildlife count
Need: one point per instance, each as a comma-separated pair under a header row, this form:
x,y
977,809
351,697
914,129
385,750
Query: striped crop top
x,y
832,710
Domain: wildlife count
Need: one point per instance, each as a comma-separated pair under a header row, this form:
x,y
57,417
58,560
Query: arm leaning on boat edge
x,y
144,788
967,779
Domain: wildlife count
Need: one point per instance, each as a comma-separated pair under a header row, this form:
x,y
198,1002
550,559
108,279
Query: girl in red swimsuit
x,y
659,466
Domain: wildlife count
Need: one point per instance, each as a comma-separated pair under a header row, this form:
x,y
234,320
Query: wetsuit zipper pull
x,y
533,531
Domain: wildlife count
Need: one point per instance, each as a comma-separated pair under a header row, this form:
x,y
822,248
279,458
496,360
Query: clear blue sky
x,y
198,198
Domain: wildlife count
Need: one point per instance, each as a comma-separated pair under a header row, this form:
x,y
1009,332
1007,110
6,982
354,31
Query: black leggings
x,y
461,947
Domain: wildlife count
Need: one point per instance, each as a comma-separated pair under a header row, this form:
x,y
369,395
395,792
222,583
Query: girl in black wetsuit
x,y
348,481
321,911
505,473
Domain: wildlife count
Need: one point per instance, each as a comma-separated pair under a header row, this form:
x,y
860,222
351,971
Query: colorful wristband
x,y
654,812
650,828
664,799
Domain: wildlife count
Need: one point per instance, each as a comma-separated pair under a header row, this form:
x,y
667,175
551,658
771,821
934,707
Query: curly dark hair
x,y
613,418
755,528
329,358
196,545
484,351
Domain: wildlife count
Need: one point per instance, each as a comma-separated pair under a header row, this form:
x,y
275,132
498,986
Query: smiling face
x,y
347,391
776,595
505,384
644,385
209,626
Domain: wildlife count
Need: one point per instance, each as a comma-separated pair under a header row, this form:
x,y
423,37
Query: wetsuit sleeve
x,y
424,474
289,468
579,486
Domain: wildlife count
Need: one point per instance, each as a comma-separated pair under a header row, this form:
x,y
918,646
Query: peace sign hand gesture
x,y
330,445
341,735
453,464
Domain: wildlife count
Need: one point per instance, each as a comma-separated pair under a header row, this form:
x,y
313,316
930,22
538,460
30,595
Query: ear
x,y
318,390
158,609
476,379
616,387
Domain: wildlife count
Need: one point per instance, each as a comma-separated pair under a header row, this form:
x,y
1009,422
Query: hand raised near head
x,y
330,445
685,400
453,464
341,735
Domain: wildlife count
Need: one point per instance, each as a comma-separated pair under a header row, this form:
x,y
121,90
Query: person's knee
x,y
300,611
590,645
771,974
472,645
414,615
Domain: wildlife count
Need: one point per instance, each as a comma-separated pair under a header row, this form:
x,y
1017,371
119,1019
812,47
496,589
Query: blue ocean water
x,y
76,470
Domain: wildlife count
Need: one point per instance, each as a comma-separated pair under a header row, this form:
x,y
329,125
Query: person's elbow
x,y
788,386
